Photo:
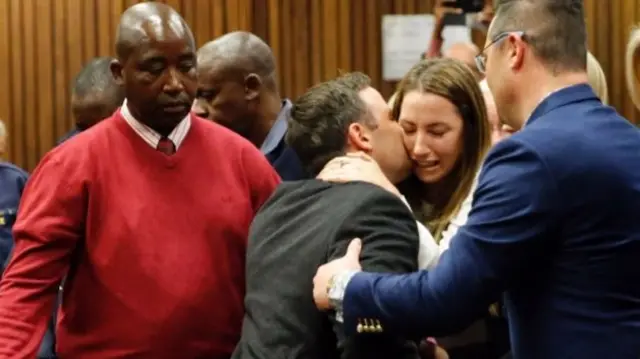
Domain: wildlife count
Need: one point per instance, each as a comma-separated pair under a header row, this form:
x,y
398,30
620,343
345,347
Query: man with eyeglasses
x,y
554,223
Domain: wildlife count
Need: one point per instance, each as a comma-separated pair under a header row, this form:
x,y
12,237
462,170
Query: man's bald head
x,y
239,52
156,65
148,20
465,52
237,85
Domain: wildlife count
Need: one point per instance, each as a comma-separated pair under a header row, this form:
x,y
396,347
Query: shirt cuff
x,y
337,290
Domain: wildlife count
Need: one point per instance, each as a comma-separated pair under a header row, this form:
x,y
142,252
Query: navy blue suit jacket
x,y
12,182
555,224
282,157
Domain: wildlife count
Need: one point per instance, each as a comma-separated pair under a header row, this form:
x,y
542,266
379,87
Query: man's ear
x,y
252,87
359,137
116,70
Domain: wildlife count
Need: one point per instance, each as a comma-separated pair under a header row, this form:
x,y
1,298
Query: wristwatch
x,y
335,291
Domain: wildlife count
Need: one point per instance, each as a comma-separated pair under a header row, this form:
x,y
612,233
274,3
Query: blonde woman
x,y
597,79
633,66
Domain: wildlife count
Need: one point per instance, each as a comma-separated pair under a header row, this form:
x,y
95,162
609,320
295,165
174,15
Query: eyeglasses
x,y
481,58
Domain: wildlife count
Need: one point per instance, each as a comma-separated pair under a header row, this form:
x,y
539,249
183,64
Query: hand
x,y
356,167
440,10
325,274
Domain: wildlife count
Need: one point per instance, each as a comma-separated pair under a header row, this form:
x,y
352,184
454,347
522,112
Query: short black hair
x,y
96,78
555,29
319,122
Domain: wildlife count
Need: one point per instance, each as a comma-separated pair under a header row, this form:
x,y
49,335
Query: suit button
x,y
378,326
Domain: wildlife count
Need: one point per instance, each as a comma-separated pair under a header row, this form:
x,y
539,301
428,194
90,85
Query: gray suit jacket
x,y
303,225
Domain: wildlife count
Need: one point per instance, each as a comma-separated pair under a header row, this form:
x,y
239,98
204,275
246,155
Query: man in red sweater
x,y
146,214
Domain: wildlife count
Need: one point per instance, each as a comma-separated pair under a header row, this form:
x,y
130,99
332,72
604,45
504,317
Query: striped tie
x,y
166,146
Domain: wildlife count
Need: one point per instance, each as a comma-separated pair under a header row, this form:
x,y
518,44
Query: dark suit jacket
x,y
556,223
303,225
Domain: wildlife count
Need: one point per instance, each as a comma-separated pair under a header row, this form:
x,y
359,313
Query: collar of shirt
x,y
152,137
278,130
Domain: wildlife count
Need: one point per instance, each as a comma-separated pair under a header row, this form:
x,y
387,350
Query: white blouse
x,y
430,251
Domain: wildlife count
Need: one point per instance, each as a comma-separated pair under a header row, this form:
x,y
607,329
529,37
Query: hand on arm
x,y
389,244
515,206
357,167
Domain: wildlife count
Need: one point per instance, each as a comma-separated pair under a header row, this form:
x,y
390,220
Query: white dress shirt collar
x,y
152,137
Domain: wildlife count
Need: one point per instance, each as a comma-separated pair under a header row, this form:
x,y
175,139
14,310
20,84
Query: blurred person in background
x,y
237,88
95,95
3,140
632,66
597,78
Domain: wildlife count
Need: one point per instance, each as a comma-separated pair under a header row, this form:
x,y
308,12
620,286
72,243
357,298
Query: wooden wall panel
x,y
608,25
44,43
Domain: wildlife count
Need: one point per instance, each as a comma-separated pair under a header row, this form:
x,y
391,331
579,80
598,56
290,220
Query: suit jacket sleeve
x,y
389,245
515,204
49,225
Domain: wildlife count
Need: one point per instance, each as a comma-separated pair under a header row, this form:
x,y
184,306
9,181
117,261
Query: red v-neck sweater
x,y
154,245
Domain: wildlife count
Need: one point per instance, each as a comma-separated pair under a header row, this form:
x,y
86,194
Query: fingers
x,y
353,251
444,7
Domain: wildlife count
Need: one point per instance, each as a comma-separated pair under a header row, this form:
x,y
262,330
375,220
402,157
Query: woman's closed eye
x,y
438,130
408,128
437,133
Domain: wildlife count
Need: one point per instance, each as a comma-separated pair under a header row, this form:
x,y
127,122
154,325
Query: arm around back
x,y
389,245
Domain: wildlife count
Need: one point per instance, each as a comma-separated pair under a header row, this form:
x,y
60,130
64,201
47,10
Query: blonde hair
x,y
632,64
392,99
3,139
453,80
597,78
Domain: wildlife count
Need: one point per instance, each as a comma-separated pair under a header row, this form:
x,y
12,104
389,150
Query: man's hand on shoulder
x,y
356,167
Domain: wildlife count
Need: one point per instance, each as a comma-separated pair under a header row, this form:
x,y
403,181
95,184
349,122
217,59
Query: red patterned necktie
x,y
166,146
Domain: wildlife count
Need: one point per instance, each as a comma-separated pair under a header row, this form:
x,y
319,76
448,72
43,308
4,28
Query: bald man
x,y
148,218
95,95
237,88
465,52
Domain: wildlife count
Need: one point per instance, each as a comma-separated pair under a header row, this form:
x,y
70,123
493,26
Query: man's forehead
x,y
371,96
374,101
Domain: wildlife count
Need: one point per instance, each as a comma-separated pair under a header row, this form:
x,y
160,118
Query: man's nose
x,y
199,110
174,84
